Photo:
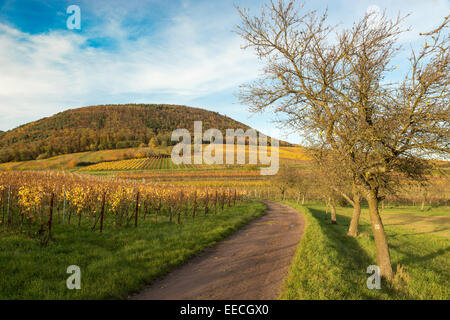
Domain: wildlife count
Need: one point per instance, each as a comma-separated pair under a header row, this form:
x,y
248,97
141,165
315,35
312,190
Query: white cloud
x,y
43,73
423,15
191,56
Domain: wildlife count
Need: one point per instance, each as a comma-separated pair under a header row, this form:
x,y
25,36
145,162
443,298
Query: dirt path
x,y
251,264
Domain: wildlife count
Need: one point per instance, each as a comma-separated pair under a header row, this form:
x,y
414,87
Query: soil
x,y
249,265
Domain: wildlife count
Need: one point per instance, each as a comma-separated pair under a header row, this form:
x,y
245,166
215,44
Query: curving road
x,y
251,264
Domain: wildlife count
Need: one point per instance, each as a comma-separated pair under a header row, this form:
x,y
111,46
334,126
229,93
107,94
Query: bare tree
x,y
330,85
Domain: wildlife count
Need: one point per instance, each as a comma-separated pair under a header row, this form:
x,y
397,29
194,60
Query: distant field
x,y
159,163
131,159
432,221
428,211
198,174
76,160
153,163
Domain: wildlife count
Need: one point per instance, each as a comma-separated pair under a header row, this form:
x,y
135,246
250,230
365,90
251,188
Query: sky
x,y
158,51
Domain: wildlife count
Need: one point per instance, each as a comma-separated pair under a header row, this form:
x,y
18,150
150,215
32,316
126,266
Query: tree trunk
x,y
353,228
381,244
333,212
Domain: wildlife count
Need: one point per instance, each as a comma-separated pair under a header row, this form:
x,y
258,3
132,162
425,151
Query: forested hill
x,y
105,127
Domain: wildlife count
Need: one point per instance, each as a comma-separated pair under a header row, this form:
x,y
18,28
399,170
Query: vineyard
x,y
286,154
33,202
198,174
139,164
151,163
141,158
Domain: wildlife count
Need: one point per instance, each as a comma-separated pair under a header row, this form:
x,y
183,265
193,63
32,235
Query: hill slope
x,y
105,127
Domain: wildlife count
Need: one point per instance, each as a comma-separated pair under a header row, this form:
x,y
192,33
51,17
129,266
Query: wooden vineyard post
x,y
137,210
64,206
229,197
50,216
186,207
180,207
222,201
206,202
215,203
9,204
234,197
195,204
170,207
102,212
158,210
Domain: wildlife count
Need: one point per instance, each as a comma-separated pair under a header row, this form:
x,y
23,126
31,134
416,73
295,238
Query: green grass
x,y
330,265
114,263
429,211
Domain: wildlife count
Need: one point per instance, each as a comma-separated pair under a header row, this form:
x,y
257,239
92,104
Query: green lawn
x,y
429,211
114,263
330,265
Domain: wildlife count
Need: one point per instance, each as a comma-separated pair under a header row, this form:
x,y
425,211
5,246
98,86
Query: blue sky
x,y
137,51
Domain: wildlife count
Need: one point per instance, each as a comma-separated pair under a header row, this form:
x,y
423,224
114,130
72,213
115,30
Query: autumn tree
x,y
284,180
337,181
153,143
329,84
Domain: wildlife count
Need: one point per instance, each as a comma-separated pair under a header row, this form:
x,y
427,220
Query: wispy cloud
x,y
43,72
152,52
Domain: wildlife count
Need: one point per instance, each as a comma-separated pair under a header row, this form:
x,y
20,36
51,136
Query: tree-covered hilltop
x,y
105,127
